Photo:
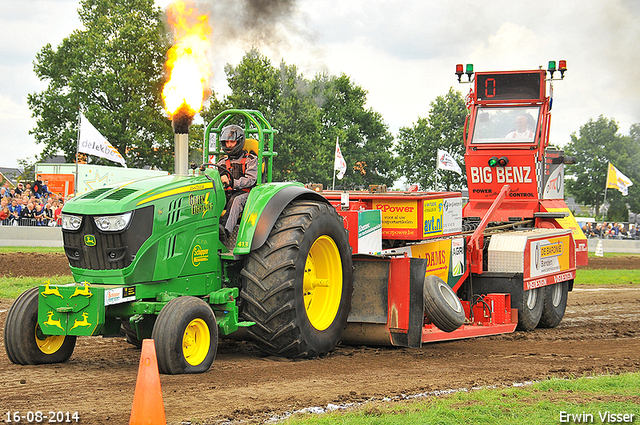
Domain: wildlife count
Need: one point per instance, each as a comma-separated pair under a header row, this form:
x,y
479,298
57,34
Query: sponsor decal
x,y
200,203
432,215
398,234
438,255
553,189
201,186
549,255
563,276
198,255
369,232
551,250
513,175
521,174
549,280
398,215
365,229
394,209
521,195
533,284
452,215
119,295
457,257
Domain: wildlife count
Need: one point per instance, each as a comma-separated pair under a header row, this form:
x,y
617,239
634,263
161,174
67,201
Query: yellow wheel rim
x,y
196,342
48,344
322,286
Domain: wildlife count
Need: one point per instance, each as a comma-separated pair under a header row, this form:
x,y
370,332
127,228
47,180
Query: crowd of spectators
x,y
610,231
30,204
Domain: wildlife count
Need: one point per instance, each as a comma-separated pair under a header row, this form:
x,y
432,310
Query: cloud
x,y
10,110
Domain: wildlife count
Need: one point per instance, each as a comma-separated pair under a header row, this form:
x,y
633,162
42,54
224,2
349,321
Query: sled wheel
x,y
297,287
24,341
186,336
441,305
132,336
530,309
555,303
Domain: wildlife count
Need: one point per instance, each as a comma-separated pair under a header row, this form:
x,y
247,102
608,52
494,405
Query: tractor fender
x,y
267,206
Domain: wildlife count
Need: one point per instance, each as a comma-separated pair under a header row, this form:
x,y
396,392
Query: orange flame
x,y
187,64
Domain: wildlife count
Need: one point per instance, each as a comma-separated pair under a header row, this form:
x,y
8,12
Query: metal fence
x,y
29,222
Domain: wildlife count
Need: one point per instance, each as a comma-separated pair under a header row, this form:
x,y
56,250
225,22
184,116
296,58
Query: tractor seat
x,y
252,145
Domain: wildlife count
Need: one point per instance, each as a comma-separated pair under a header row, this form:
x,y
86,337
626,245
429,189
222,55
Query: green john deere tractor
x,y
148,263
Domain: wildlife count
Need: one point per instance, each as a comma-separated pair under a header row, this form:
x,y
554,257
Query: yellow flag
x,y
617,180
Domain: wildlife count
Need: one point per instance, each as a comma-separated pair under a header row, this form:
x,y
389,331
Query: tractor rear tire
x,y
530,309
186,336
24,341
297,287
555,303
441,305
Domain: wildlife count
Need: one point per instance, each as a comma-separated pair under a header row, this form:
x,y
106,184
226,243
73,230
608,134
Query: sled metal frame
x,y
387,307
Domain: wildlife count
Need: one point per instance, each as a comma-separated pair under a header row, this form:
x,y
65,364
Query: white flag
x,y
93,143
617,180
339,163
446,162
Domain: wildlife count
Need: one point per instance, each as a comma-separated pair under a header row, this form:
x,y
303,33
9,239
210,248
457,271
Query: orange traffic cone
x,y
148,408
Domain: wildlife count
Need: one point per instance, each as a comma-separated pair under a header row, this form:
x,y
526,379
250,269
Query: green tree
x,y
365,140
309,115
112,71
598,144
281,94
418,145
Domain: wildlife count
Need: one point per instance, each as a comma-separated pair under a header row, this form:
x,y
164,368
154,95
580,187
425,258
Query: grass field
x,y
603,277
547,402
31,249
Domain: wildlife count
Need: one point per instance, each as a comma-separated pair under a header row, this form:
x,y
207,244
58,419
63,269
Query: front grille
x,y
111,250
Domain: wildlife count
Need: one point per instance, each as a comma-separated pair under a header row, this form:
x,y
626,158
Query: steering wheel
x,y
222,171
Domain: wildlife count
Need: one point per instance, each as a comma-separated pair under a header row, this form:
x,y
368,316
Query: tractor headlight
x,y
112,223
71,222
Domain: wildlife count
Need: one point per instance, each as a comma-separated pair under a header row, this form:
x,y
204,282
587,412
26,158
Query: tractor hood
x,y
132,232
123,197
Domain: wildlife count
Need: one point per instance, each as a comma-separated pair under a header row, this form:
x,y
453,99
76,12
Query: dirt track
x,y
600,334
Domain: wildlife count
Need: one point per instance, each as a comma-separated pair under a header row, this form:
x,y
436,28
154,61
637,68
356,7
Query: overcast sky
x,y
403,52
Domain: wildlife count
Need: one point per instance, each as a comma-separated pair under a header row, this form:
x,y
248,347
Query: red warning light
x,y
459,71
562,67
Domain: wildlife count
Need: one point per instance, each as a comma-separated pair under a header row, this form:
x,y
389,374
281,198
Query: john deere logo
x,y
89,240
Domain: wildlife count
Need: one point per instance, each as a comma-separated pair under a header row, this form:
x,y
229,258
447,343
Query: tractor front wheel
x,y
24,341
297,287
186,336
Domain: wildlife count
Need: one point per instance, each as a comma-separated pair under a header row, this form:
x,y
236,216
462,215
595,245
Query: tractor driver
x,y
243,166
522,130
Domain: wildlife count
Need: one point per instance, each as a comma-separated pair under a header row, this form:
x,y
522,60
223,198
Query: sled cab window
x,y
516,124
